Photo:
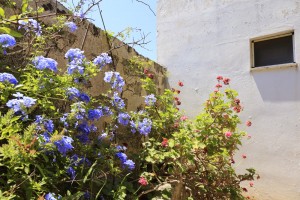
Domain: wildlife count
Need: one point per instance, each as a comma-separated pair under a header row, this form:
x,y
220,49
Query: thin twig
x,y
147,5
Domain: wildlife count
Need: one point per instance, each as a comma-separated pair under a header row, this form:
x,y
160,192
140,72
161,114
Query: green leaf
x,y
2,13
89,172
10,32
24,5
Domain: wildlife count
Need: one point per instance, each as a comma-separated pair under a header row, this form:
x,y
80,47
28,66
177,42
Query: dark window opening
x,y
273,51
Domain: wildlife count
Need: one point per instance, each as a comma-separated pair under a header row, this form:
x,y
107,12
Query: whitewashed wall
x,y
200,39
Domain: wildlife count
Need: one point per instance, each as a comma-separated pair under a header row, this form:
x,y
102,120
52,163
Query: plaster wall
x,y
198,40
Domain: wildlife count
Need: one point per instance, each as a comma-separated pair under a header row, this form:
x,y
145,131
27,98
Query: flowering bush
x,y
52,147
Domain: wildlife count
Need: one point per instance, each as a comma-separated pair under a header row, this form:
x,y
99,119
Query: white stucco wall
x,y
200,39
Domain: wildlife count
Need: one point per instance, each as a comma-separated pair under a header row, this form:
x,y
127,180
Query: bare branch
x,y
146,5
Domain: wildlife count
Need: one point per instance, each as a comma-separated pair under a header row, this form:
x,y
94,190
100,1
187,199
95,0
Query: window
x,y
274,49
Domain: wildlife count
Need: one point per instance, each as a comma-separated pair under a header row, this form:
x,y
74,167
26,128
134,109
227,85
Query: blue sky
x,y
120,14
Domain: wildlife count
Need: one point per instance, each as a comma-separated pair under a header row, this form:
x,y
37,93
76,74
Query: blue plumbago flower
x,y
74,54
133,126
63,119
18,104
144,127
122,156
102,136
31,25
64,145
28,101
123,118
79,14
75,57
117,101
130,164
41,63
6,77
78,110
7,41
95,114
106,111
102,60
49,126
150,100
71,172
85,130
73,92
115,79
84,97
46,137
108,76
18,95
93,128
86,195
121,148
50,196
39,119
72,26
72,68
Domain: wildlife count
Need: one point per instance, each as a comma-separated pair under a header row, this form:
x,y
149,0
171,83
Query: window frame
x,y
269,37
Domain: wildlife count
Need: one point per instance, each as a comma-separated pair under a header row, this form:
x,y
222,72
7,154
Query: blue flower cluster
x,y
85,130
48,125
75,57
123,118
150,100
6,77
7,41
102,60
73,92
115,79
76,160
125,162
31,25
78,110
72,26
41,63
144,127
50,196
22,101
71,172
117,101
64,145
79,14
95,114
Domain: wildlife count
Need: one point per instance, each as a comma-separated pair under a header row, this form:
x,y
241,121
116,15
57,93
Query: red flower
x,y
245,189
178,91
218,85
219,78
237,101
183,118
176,98
151,76
176,125
180,83
143,181
178,103
244,156
228,134
146,71
164,143
226,81
248,123
251,184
